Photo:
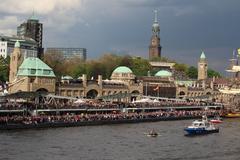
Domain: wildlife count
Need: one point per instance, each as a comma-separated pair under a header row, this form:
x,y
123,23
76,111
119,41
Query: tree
x,y
181,67
56,61
140,66
212,73
109,62
79,70
74,67
95,68
192,72
4,68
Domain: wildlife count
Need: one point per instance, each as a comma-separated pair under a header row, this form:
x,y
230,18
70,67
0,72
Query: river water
x,y
122,142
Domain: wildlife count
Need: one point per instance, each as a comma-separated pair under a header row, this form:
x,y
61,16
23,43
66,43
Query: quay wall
x,y
9,126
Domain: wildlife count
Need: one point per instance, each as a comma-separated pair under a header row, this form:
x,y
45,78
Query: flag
x,y
156,88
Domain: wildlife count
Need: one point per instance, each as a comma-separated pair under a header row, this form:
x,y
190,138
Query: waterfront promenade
x,y
69,120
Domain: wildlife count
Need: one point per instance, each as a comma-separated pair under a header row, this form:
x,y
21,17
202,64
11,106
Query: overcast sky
x,y
124,26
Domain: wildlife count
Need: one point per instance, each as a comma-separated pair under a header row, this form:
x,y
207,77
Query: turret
x,y
15,61
202,67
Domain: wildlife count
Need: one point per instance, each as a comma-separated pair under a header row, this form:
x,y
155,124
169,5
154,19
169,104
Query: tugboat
x,y
200,127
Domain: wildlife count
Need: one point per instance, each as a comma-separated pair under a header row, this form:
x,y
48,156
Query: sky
x,y
187,27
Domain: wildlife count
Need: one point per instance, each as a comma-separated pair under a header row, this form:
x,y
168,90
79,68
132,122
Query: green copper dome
x,y
202,56
163,73
35,67
122,69
17,44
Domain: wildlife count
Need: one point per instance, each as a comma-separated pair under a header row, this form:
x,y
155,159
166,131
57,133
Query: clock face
x,y
202,65
154,42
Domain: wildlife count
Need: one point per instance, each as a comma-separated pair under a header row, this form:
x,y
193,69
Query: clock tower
x,y
202,67
154,47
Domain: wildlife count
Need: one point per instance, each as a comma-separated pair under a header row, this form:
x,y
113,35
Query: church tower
x,y
15,61
202,67
154,47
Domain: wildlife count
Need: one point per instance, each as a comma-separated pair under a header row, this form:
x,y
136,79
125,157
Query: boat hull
x,y
232,115
216,121
152,135
200,131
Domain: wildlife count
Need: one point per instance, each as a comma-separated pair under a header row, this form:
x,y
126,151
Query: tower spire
x,y
155,47
155,20
155,26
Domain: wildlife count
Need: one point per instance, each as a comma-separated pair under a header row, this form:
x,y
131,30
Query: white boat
x,y
202,126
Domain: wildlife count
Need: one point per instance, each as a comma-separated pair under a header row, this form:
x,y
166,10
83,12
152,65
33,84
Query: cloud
x,y
7,23
40,6
57,14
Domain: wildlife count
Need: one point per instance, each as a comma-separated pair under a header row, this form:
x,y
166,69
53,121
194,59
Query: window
x,y
33,71
32,80
46,72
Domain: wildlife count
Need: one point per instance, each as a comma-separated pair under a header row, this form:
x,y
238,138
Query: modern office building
x,y
32,29
70,52
28,46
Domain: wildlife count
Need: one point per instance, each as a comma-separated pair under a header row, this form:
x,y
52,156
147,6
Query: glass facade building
x,y
32,29
70,52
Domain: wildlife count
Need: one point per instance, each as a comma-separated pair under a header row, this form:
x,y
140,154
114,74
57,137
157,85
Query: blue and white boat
x,y
202,126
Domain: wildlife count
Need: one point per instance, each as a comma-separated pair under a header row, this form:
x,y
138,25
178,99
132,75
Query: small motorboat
x,y
152,133
200,127
216,120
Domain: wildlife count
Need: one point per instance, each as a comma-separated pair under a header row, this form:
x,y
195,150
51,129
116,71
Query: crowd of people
x,y
97,105
71,118
27,116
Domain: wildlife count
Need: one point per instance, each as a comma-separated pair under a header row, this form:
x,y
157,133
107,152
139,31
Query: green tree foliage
x,y
95,68
212,73
105,65
181,67
4,68
79,70
140,66
74,67
192,72
56,61
109,62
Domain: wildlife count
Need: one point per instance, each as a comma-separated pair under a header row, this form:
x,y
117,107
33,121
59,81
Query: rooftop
x,y
122,69
163,73
35,67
